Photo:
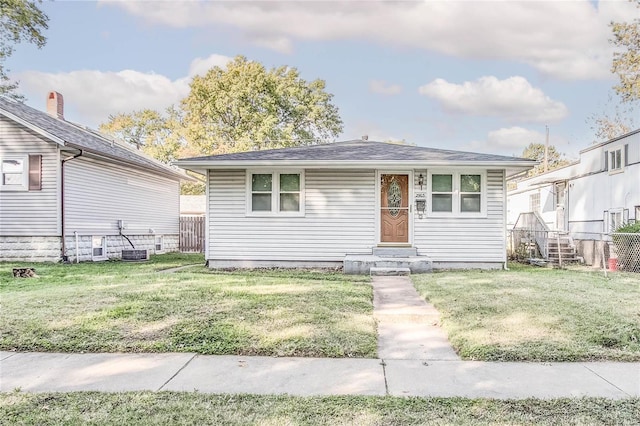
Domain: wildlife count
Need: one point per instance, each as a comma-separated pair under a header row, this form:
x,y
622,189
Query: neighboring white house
x,y
593,195
62,179
311,206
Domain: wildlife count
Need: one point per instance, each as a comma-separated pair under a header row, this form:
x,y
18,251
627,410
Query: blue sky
x,y
483,76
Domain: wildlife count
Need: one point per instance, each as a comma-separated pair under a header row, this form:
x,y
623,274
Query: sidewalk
x,y
50,372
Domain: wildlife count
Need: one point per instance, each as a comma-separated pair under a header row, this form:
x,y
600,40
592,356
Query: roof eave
x,y
347,164
177,174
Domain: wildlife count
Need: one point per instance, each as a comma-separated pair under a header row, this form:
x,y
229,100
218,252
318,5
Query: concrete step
x,y
362,264
395,251
388,271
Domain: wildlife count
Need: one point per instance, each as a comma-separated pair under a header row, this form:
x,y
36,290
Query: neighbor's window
x,y
14,173
98,248
276,193
615,220
615,159
159,243
21,173
534,202
456,193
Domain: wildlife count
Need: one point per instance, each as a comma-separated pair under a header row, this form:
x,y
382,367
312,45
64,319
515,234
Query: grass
x,y
538,314
147,408
130,307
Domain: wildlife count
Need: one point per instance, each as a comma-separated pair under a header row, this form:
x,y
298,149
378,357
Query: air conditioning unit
x,y
135,255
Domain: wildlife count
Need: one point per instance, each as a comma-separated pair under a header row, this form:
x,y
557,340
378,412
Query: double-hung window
x,y
615,159
14,173
275,193
21,173
456,194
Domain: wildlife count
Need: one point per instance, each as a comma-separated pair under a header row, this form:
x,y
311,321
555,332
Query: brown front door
x,y
394,208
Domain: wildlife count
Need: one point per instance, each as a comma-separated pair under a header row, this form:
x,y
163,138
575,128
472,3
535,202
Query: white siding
x,y
29,213
339,219
592,190
458,239
98,194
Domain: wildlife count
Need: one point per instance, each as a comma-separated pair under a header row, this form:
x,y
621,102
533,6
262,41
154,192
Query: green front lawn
x,y
147,408
538,314
129,307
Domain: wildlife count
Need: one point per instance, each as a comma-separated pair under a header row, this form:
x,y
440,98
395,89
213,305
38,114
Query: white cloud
x,y
383,88
513,140
513,99
564,39
200,66
93,95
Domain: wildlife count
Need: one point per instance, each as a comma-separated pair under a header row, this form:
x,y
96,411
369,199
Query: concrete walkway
x,y
50,372
408,327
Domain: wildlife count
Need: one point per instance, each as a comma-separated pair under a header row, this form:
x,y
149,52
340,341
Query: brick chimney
x,y
55,105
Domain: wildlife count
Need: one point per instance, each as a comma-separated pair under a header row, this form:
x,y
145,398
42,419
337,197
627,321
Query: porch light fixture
x,y
421,180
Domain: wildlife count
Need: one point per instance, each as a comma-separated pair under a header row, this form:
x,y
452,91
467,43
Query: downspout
x,y
64,249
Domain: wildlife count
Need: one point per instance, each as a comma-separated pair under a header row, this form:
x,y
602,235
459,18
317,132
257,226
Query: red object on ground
x,y
613,264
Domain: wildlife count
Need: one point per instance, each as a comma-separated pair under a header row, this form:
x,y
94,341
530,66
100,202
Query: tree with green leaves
x,y
160,136
240,107
535,151
619,119
626,61
245,106
20,21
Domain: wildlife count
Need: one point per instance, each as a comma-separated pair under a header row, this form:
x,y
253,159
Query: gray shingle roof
x,y
76,136
358,150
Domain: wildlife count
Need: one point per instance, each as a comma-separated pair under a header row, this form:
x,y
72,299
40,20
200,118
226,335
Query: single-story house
x,y
69,192
315,205
588,198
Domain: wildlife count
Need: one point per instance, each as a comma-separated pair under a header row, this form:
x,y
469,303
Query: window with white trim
x,y
460,194
615,160
534,202
159,243
615,220
14,170
98,247
275,193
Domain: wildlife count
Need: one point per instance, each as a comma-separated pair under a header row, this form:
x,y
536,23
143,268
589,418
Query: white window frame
x,y
534,202
104,247
614,167
155,244
455,208
25,173
275,193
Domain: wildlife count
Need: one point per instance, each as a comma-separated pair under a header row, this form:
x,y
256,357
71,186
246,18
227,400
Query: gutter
x,y
63,248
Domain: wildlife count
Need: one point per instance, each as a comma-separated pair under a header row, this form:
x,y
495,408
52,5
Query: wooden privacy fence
x,y
192,234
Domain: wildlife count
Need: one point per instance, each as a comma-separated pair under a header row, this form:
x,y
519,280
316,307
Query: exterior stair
x,y
387,261
561,247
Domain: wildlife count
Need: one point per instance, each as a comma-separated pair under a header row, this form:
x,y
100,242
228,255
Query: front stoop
x,y
371,264
382,271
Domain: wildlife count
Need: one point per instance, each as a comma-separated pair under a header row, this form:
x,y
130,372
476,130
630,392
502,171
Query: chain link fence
x,y
626,249
612,251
